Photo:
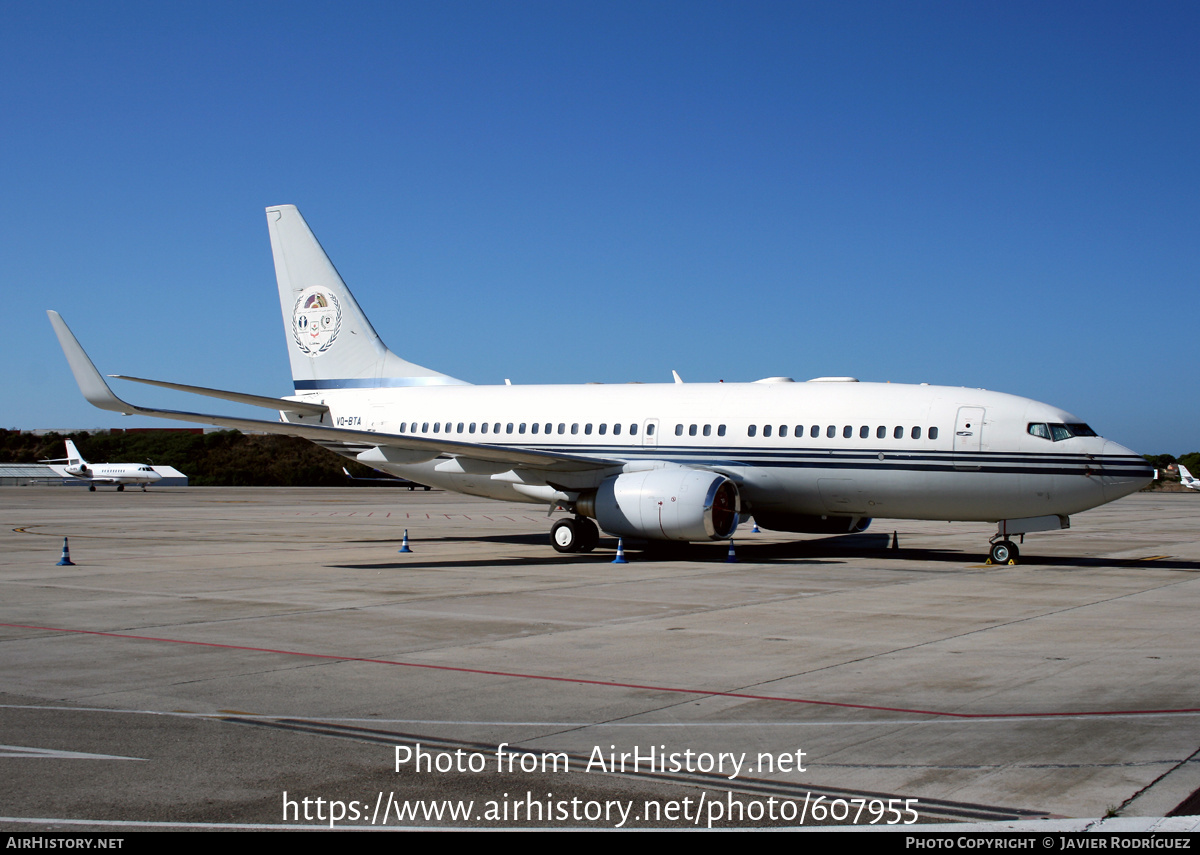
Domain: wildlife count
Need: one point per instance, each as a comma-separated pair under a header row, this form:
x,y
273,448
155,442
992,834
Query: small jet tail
x,y
1187,478
331,344
74,458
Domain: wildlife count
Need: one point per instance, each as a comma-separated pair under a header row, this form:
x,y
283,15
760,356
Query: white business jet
x,y
119,474
673,461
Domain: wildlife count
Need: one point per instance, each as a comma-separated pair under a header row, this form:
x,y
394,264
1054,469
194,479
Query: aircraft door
x,y
968,437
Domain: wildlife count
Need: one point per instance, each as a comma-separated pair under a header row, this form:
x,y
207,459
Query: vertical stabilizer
x,y
74,458
331,344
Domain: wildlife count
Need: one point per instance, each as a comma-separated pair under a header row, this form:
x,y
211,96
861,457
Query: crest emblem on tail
x,y
316,321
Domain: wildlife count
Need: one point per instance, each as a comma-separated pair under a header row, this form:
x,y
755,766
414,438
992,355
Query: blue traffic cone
x,y
755,529
404,543
620,559
731,558
65,561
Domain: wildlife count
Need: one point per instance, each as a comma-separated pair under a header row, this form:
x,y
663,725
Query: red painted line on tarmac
x,y
608,683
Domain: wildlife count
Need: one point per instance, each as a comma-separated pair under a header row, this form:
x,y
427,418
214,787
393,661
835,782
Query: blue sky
x,y
1004,195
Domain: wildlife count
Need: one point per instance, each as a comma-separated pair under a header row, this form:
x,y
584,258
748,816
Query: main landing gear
x,y
120,488
579,534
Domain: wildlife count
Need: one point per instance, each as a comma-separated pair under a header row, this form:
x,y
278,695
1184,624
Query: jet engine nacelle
x,y
666,504
811,523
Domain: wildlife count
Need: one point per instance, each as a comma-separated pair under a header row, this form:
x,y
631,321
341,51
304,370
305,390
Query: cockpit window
x,y
1058,432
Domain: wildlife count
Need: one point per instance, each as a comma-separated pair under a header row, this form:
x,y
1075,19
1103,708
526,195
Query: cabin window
x,y
562,428
783,430
766,430
708,430
633,429
933,433
616,428
460,427
533,428
471,427
587,429
483,427
508,428
864,432
574,428
847,432
814,431
720,430
521,427
437,426
496,427
603,428
752,430
831,431
898,433
692,430
679,430
799,431
916,433
881,432
413,428
402,426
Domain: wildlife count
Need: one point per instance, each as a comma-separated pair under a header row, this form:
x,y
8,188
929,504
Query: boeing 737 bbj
x,y
673,461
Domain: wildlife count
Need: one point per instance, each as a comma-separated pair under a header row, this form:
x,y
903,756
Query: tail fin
x,y
1185,476
331,344
74,458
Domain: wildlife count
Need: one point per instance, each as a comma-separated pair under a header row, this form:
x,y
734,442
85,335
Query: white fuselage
x,y
114,473
817,448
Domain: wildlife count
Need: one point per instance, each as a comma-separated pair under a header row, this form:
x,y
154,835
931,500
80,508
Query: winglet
x,y
91,384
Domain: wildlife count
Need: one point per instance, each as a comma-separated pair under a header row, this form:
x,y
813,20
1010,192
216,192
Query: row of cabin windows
x,y
548,428
533,428
831,431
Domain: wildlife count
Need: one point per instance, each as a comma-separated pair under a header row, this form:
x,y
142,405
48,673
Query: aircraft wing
x,y
98,393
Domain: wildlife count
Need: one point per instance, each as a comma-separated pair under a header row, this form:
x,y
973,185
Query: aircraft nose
x,y
1125,471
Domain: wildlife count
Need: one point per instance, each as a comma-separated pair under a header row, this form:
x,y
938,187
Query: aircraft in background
x,y
119,474
1187,479
678,461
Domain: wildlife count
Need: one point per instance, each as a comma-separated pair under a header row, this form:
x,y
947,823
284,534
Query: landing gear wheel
x,y
1004,552
589,534
120,488
565,536
91,488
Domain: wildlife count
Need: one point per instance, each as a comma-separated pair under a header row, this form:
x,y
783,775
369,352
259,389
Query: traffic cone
x,y
65,561
895,541
755,529
620,559
731,558
404,543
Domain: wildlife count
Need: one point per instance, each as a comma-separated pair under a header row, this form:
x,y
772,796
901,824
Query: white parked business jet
x,y
1187,479
677,461
119,474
